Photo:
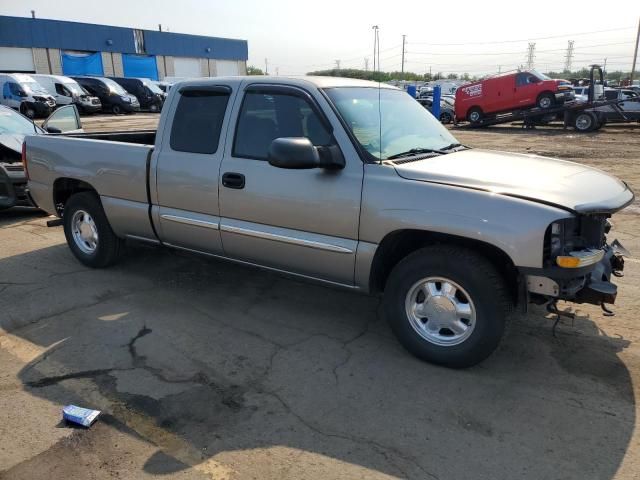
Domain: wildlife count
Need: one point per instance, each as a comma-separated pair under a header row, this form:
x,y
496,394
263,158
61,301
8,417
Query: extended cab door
x,y
300,221
187,167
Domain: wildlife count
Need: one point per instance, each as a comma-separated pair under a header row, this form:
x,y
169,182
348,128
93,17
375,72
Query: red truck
x,y
509,92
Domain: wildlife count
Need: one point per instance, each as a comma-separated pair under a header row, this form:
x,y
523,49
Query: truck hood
x,y
550,181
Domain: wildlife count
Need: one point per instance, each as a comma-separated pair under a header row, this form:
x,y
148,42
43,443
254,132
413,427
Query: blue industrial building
x,y
34,45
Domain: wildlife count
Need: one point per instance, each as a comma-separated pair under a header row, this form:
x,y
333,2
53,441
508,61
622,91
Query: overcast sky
x,y
298,36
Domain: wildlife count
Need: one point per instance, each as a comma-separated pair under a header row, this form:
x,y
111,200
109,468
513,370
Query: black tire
x,y
545,100
477,277
585,122
116,109
474,115
27,111
108,245
445,117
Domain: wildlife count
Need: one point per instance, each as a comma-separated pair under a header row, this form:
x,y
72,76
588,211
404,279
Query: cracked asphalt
x,y
205,369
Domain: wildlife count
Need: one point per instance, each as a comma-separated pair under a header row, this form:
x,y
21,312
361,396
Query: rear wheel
x,y
88,232
545,101
116,109
474,115
447,305
585,122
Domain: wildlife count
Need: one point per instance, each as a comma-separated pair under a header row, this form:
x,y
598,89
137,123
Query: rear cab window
x,y
198,119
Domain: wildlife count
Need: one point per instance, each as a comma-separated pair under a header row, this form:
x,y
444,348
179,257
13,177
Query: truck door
x,y
299,221
525,92
187,167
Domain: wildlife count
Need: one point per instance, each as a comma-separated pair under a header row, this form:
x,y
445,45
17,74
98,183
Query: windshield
x,y
12,122
114,87
33,87
541,76
153,87
74,88
387,122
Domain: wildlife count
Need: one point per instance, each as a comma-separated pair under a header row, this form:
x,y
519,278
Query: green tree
x,y
251,70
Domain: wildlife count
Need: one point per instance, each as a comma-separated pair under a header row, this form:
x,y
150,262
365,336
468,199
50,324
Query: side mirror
x,y
52,129
22,93
299,153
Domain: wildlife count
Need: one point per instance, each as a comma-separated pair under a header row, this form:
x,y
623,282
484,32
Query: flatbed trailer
x,y
582,116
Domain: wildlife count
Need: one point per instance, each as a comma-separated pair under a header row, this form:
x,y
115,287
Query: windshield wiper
x,y
452,146
415,151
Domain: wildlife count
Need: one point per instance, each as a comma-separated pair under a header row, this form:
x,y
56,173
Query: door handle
x,y
233,180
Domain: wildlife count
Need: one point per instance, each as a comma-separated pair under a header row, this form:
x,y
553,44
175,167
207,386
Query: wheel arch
x,y
65,187
398,244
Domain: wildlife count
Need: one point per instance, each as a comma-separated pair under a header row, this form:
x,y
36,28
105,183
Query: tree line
x,y
614,76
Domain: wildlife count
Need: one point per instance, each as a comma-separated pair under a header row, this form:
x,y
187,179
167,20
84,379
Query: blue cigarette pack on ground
x,y
79,415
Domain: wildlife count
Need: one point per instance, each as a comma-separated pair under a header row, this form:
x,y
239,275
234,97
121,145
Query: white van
x,y
24,93
66,91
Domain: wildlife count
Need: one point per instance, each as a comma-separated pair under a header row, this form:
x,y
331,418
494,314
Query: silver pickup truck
x,y
349,183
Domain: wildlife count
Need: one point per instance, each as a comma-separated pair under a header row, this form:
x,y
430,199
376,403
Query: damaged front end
x,y
578,263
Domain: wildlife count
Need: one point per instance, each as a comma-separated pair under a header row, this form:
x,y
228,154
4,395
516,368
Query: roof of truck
x,y
319,82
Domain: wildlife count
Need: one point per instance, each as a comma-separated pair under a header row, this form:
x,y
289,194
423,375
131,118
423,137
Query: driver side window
x,y
62,90
15,89
266,116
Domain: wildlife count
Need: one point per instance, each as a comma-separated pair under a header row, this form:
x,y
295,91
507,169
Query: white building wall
x,y
41,60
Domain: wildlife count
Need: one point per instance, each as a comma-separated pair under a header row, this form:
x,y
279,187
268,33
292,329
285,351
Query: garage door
x,y
186,67
16,60
226,68
81,63
139,66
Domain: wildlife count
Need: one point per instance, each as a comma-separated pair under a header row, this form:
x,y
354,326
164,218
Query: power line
x,y
525,39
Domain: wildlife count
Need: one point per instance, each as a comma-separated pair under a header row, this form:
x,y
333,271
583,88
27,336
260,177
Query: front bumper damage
x,y
591,284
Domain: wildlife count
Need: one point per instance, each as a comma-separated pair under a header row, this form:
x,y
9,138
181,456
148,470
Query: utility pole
x,y
266,66
530,55
277,71
499,68
366,64
403,43
375,45
337,64
568,57
635,53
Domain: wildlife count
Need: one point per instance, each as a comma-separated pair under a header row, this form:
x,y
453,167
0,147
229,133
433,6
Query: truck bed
x,y
116,169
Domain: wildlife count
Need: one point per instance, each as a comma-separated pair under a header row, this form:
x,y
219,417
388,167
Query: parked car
x,y
13,128
350,183
162,85
23,93
581,93
112,96
447,113
628,102
66,91
510,92
148,93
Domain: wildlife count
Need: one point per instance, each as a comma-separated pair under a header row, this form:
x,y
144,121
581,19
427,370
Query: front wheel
x,y
116,109
88,232
27,111
445,117
447,305
545,101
